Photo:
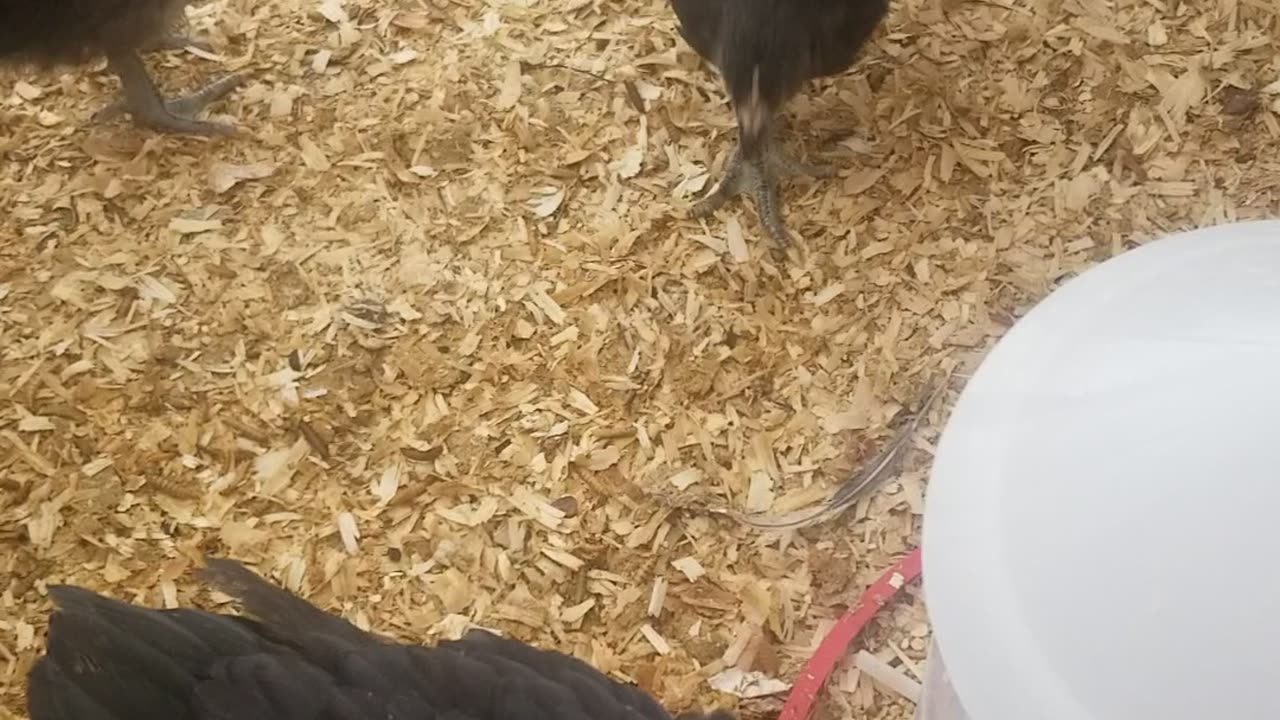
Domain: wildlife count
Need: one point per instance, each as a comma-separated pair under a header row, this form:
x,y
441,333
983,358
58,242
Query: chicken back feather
x,y
48,33
288,660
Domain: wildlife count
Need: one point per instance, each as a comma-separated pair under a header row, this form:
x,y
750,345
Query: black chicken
x,y
766,50
48,33
109,660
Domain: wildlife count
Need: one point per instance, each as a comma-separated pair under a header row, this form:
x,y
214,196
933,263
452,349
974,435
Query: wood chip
x,y
887,676
657,641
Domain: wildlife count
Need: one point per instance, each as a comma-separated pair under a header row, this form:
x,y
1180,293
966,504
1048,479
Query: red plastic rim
x,y
807,685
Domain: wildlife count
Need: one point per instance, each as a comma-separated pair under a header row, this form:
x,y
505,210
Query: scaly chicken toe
x,y
760,176
148,107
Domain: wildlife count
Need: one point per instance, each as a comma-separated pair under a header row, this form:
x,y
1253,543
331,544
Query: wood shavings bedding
x,y
520,408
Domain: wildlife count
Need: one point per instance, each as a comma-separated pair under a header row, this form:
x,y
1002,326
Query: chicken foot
x,y
142,100
759,176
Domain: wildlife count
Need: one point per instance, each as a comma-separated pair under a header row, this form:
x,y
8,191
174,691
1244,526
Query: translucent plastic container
x,y
1102,523
938,698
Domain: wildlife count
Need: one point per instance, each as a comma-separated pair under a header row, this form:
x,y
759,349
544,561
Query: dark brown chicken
x,y
109,660
49,33
766,50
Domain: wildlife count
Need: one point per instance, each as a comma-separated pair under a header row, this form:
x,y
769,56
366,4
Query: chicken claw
x,y
142,100
759,176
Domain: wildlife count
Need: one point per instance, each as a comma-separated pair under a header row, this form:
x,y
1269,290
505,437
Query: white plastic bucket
x,y
1102,527
938,698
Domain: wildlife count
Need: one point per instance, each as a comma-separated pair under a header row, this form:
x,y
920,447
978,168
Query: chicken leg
x,y
142,100
758,173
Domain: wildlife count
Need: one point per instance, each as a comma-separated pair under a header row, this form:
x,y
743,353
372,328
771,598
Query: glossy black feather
x,y
108,660
788,42
592,689
52,32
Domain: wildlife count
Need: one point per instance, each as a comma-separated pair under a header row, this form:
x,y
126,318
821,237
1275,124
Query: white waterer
x,y
1102,527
